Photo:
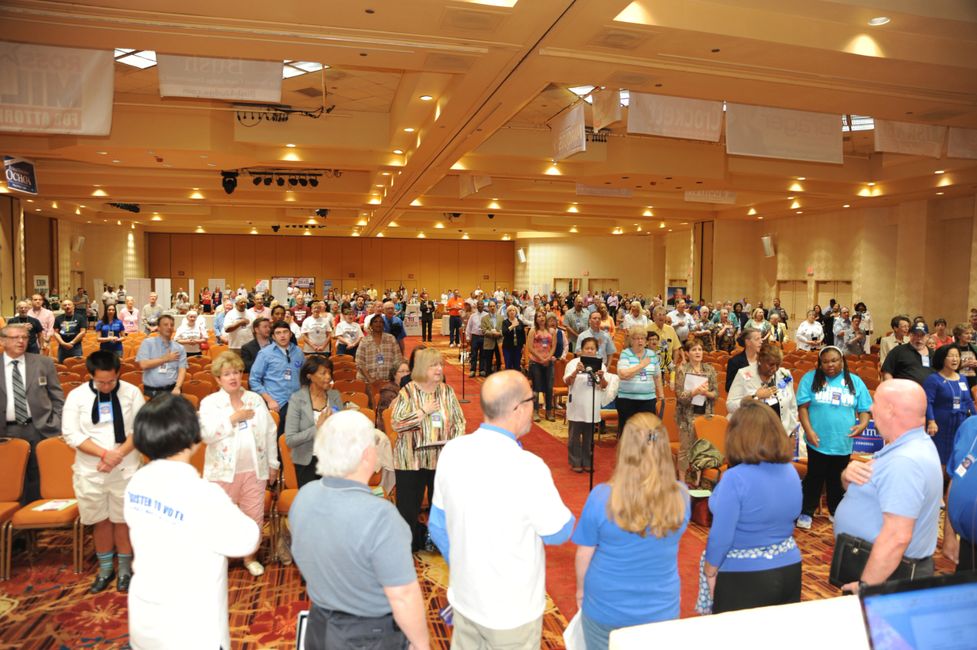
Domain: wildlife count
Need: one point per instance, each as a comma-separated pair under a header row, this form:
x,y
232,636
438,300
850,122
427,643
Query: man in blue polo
x,y
275,373
393,325
163,361
893,500
961,506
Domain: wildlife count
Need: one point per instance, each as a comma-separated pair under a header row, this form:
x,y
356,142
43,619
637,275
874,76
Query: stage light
x,y
303,181
314,182
267,180
293,181
280,181
256,180
229,181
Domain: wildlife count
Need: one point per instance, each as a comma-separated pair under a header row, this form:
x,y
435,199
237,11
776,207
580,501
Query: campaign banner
x,y
20,174
783,133
909,138
412,320
569,133
214,78
710,196
607,108
48,89
471,183
869,441
961,143
602,190
675,117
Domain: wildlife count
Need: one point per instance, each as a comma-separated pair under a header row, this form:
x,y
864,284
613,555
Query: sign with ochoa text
x,y
20,174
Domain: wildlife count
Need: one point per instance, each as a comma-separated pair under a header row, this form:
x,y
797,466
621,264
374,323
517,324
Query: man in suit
x,y
31,399
491,336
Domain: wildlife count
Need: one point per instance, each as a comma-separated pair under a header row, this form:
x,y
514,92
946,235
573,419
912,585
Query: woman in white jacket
x,y
768,382
241,439
583,409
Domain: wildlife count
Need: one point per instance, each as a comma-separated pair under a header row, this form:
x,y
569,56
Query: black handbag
x,y
850,557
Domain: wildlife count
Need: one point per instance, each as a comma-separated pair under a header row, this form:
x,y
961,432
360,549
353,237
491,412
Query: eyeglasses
x,y
525,401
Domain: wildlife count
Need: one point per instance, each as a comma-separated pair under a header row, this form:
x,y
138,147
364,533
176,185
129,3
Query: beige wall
x,y
637,262
678,258
40,242
9,215
111,252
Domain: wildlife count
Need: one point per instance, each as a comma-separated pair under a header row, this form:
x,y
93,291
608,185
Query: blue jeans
x,y
475,352
67,354
595,634
454,330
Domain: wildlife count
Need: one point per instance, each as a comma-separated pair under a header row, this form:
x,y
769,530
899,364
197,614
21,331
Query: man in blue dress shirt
x,y
163,361
961,505
275,373
893,500
393,325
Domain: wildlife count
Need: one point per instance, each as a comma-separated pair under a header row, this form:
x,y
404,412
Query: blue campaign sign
x,y
869,441
20,174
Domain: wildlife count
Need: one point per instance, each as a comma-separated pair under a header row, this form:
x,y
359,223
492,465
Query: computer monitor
x,y
936,613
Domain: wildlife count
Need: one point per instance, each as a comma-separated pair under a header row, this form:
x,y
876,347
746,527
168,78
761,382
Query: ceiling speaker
x,y
767,242
77,243
522,255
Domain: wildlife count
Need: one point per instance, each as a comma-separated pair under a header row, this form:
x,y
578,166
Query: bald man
x,y
893,500
495,506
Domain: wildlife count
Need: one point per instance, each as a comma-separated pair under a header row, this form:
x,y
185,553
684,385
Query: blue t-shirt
x,y
962,503
754,506
642,385
105,329
833,411
631,579
907,481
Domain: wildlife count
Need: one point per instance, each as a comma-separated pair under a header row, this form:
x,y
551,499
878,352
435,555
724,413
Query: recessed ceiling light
x,y
394,224
116,161
310,221
878,21
200,229
307,233
32,200
254,231
751,212
505,237
439,225
156,217
290,145
661,225
647,213
99,192
416,203
573,229
494,205
379,185
385,173
102,153
38,210
939,171
399,152
426,98
759,218
802,178
465,236
361,222
939,193
409,129
846,206
379,234
800,212
871,183
421,235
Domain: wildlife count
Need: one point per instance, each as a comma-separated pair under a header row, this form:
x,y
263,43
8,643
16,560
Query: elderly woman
x,y
726,330
191,333
778,331
241,436
751,558
639,370
703,330
759,322
513,338
377,354
634,317
308,409
696,390
129,316
426,415
810,333
767,382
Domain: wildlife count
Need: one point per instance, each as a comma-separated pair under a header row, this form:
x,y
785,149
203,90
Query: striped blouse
x,y
417,441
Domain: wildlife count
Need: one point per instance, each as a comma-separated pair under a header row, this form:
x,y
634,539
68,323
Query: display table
x,y
814,624
445,327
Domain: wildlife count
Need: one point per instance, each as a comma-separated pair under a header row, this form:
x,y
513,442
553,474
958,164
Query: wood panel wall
x,y
431,264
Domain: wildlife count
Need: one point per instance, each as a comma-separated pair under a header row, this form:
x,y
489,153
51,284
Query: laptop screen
x,y
938,617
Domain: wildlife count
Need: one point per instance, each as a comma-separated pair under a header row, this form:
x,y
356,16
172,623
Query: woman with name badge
x,y
769,383
641,380
110,331
834,407
426,415
241,439
948,400
377,354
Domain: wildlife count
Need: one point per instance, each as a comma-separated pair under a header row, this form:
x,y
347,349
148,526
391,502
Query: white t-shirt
x,y
316,331
498,566
242,335
182,529
77,426
349,333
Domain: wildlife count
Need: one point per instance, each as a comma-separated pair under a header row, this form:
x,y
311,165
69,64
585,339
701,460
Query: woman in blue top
x,y
833,407
948,400
110,331
628,534
641,378
751,558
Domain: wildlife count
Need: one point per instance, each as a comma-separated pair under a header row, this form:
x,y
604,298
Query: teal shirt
x,y
642,385
833,411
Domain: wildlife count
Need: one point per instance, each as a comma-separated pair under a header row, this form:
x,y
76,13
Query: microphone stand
x,y
461,360
593,425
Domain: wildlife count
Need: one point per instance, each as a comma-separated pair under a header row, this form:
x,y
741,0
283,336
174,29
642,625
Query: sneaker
x,y
471,374
536,417
254,568
804,521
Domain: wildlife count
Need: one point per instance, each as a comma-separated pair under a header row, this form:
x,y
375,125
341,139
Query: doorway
x,y
603,285
840,290
566,285
793,299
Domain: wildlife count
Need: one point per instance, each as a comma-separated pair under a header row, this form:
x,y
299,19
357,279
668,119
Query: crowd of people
x,y
492,527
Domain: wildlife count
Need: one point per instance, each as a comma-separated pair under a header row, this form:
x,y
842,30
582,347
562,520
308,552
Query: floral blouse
x,y
420,439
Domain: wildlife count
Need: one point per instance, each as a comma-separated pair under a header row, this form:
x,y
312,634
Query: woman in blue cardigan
x,y
751,559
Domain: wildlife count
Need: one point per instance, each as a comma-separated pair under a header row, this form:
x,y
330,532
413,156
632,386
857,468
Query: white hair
x,y
340,443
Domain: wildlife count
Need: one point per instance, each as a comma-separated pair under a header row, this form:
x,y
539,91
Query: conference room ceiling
x,y
497,72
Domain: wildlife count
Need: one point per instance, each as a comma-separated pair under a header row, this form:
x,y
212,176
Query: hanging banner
x,y
675,117
199,76
783,133
20,174
909,138
711,196
601,190
961,143
607,108
470,183
568,132
47,89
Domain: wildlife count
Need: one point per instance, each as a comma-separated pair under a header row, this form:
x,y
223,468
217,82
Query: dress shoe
x,y
122,586
471,374
101,583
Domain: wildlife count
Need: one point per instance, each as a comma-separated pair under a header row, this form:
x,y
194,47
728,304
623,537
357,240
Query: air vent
x,y
472,20
618,39
938,116
632,80
447,62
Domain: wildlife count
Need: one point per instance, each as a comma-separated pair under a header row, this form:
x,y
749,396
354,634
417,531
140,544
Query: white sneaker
x,y
804,522
254,568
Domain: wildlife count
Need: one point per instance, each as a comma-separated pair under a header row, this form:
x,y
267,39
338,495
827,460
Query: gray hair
x,y
340,443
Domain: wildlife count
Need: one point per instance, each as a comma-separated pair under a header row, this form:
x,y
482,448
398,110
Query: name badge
x,y
165,368
772,400
956,402
926,361
436,420
42,381
242,425
104,412
379,359
963,385
836,398
287,375
643,374
964,465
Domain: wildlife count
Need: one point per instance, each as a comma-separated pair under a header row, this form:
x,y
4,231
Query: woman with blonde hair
x,y
628,534
751,559
426,415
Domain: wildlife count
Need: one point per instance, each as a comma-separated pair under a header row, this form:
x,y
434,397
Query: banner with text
x,y
47,89
909,138
711,196
471,183
20,174
199,76
783,133
607,108
568,132
675,117
961,143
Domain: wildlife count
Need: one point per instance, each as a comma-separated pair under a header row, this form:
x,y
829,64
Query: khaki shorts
x,y
101,497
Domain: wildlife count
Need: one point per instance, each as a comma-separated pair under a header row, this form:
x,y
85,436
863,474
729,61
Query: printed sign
x,y
909,138
607,108
710,196
961,143
568,132
675,117
20,174
200,76
869,441
783,133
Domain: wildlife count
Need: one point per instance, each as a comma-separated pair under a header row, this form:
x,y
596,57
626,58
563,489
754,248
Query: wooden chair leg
x,y
78,544
5,550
